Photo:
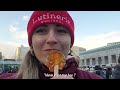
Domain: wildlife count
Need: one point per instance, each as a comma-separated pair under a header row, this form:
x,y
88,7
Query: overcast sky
x,y
92,29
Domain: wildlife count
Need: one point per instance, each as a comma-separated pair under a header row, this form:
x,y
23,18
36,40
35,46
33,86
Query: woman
x,y
50,30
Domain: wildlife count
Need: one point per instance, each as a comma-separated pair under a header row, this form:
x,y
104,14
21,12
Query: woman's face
x,y
49,37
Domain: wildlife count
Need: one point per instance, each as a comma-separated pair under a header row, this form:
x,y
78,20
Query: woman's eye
x,y
41,31
62,31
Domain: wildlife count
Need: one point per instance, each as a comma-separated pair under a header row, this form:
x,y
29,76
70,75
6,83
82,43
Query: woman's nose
x,y
52,38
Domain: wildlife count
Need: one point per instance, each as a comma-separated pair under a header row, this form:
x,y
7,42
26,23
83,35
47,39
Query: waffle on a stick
x,y
56,61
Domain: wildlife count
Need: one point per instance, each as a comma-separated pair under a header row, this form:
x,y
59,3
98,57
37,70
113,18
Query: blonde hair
x,y
29,68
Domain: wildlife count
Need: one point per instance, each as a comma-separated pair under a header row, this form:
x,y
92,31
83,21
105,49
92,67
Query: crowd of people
x,y
111,72
9,69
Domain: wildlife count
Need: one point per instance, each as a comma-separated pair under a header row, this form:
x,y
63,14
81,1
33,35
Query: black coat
x,y
116,72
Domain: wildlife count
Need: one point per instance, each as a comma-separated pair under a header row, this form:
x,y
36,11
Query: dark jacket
x,y
101,73
69,69
116,72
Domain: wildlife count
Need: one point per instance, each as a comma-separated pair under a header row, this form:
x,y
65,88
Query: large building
x,y
20,52
76,50
106,55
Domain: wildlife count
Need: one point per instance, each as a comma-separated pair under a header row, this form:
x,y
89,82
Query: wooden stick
x,y
56,70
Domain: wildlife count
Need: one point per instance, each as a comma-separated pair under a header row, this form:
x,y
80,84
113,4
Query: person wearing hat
x,y
116,71
49,30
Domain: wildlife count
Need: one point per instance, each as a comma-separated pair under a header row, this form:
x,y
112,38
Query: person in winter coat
x,y
49,30
99,71
116,72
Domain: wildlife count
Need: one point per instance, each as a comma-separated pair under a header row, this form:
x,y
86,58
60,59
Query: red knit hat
x,y
46,17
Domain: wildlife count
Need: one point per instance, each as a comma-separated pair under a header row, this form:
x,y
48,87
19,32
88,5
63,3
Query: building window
x,y
88,62
83,62
106,59
93,61
113,58
99,60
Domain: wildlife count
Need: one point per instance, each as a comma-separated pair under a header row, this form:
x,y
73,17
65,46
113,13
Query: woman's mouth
x,y
51,49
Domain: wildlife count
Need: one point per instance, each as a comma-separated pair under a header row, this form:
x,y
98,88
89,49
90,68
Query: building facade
x,y
20,52
106,55
76,50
